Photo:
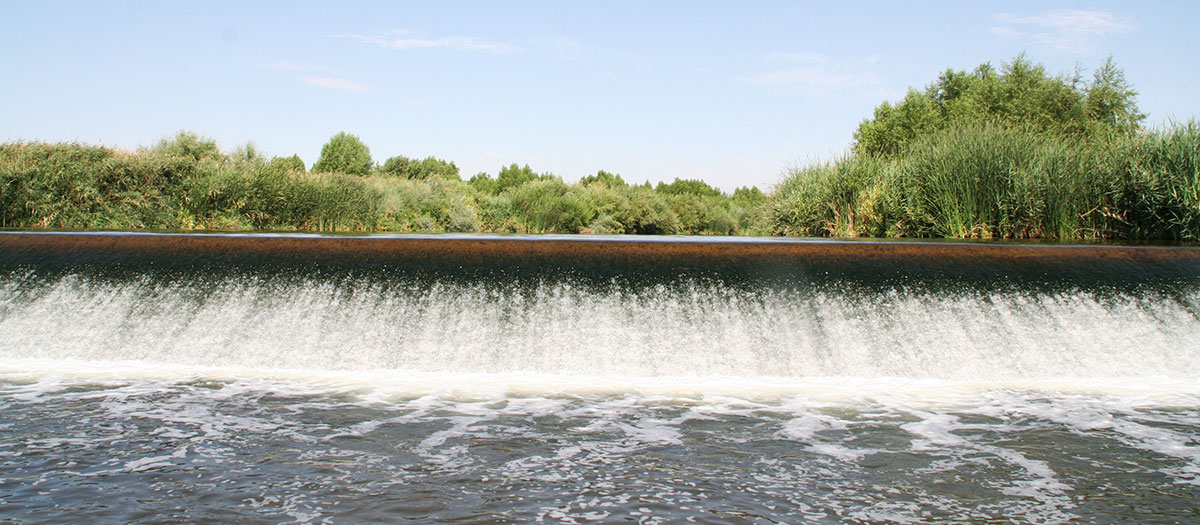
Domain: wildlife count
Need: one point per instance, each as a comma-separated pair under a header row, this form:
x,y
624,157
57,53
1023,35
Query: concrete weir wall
x,y
746,257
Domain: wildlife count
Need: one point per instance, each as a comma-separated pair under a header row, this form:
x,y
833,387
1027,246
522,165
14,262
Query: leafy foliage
x,y
603,178
288,164
188,144
512,176
344,153
999,180
1020,93
429,167
485,183
186,183
688,187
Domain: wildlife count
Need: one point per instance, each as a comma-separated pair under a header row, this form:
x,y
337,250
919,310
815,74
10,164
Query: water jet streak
x,y
511,378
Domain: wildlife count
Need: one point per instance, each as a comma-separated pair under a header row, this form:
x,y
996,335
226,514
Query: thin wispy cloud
x,y
335,83
818,73
402,41
1069,30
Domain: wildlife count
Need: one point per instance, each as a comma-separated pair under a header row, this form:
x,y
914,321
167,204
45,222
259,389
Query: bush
x,y
1021,93
77,186
688,187
546,206
603,178
849,197
288,164
430,167
344,153
1005,181
484,183
512,176
432,205
188,144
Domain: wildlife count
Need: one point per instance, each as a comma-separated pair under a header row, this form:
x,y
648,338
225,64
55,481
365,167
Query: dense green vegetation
x,y
995,180
186,182
1014,153
994,153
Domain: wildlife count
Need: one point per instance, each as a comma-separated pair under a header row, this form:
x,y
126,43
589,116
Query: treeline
x,y
993,153
187,183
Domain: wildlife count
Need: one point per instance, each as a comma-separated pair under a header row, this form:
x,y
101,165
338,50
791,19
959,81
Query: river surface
x,y
168,378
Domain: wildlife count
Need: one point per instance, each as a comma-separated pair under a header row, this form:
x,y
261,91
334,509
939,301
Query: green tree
x,y
894,126
344,153
748,197
512,176
188,144
1020,93
288,164
603,178
247,155
484,183
688,187
546,205
1111,100
430,167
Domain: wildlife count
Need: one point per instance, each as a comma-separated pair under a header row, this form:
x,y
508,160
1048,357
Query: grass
x,y
991,180
974,180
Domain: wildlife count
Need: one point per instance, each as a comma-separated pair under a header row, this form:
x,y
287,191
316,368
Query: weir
x,y
633,258
491,378
615,306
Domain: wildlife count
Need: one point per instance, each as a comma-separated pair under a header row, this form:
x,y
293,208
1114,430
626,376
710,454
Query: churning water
x,y
313,379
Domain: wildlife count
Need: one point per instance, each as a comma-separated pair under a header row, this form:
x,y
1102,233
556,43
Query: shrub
x,y
849,197
188,144
344,153
77,186
430,167
485,184
688,187
546,206
288,164
432,205
1021,93
603,178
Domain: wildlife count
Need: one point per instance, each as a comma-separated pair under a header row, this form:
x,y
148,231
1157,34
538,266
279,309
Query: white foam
x,y
32,378
561,329
154,462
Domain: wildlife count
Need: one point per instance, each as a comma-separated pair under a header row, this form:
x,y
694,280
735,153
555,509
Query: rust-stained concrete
x,y
586,253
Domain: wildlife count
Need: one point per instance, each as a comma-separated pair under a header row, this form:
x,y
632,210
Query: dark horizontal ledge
x,y
605,255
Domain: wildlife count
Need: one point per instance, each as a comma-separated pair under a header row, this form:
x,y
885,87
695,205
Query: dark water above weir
x,y
345,379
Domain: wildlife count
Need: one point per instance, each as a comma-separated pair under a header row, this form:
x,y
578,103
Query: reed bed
x,y
995,180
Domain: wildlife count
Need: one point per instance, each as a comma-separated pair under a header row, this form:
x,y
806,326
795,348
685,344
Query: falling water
x,y
309,378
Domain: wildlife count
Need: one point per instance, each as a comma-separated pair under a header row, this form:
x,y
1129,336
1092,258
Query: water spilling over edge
x,y
638,309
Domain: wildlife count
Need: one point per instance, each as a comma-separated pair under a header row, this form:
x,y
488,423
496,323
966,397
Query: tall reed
x,y
994,180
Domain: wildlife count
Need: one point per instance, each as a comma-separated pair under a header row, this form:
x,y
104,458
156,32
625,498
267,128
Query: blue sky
x,y
733,93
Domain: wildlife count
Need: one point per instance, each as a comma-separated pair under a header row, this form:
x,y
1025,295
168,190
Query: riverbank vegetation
x,y
993,153
1008,153
187,183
